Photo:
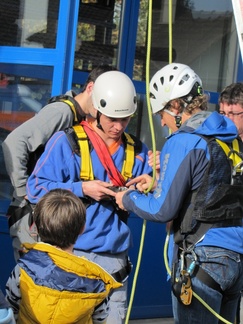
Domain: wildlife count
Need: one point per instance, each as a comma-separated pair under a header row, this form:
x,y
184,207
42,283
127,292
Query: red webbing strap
x,y
104,155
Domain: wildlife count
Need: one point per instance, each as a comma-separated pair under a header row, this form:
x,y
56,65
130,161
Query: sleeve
x,y
28,137
182,168
7,316
13,294
101,312
3,302
141,165
6,312
58,167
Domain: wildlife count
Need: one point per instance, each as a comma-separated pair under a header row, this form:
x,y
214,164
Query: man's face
x,y
113,127
235,113
90,109
167,119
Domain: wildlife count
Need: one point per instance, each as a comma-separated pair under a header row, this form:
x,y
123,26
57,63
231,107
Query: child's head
x,y
60,217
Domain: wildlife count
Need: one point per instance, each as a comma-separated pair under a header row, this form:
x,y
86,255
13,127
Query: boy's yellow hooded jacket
x,y
58,287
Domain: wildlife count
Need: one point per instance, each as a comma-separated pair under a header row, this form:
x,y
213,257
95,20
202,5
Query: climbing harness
x,y
71,102
80,137
170,273
73,105
236,160
181,278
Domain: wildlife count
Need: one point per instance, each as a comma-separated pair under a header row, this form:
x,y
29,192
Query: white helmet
x,y
173,81
114,95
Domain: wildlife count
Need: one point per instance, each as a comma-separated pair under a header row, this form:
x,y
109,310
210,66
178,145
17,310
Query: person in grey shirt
x,y
26,139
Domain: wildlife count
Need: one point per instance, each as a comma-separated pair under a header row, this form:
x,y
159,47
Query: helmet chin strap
x,y
98,121
177,117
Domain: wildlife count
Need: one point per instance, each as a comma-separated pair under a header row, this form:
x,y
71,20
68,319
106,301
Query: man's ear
x,y
89,87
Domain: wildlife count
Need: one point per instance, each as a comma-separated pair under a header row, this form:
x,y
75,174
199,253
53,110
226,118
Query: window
x,y
97,34
29,23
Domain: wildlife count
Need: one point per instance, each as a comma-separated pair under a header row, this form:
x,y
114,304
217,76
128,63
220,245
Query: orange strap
x,y
104,155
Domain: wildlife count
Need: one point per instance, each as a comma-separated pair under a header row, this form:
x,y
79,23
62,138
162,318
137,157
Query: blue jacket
x,y
183,161
59,167
50,285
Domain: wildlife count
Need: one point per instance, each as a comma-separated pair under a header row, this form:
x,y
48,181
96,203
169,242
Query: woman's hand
x,y
118,197
151,159
142,182
157,161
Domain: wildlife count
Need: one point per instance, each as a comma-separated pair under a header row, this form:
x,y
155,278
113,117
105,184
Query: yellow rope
x,y
150,5
168,232
170,31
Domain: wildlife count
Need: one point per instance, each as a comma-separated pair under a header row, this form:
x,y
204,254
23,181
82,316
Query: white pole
x,y
238,14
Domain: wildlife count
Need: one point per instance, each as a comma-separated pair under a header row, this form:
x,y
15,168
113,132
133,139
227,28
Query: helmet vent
x,y
162,80
184,79
155,86
171,77
103,103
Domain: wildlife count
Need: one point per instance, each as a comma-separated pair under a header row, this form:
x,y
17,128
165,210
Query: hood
x,y
211,124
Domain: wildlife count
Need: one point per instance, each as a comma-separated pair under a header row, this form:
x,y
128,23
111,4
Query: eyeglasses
x,y
231,113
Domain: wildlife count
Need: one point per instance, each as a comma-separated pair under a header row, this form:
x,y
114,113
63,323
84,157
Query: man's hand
x,y
97,189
